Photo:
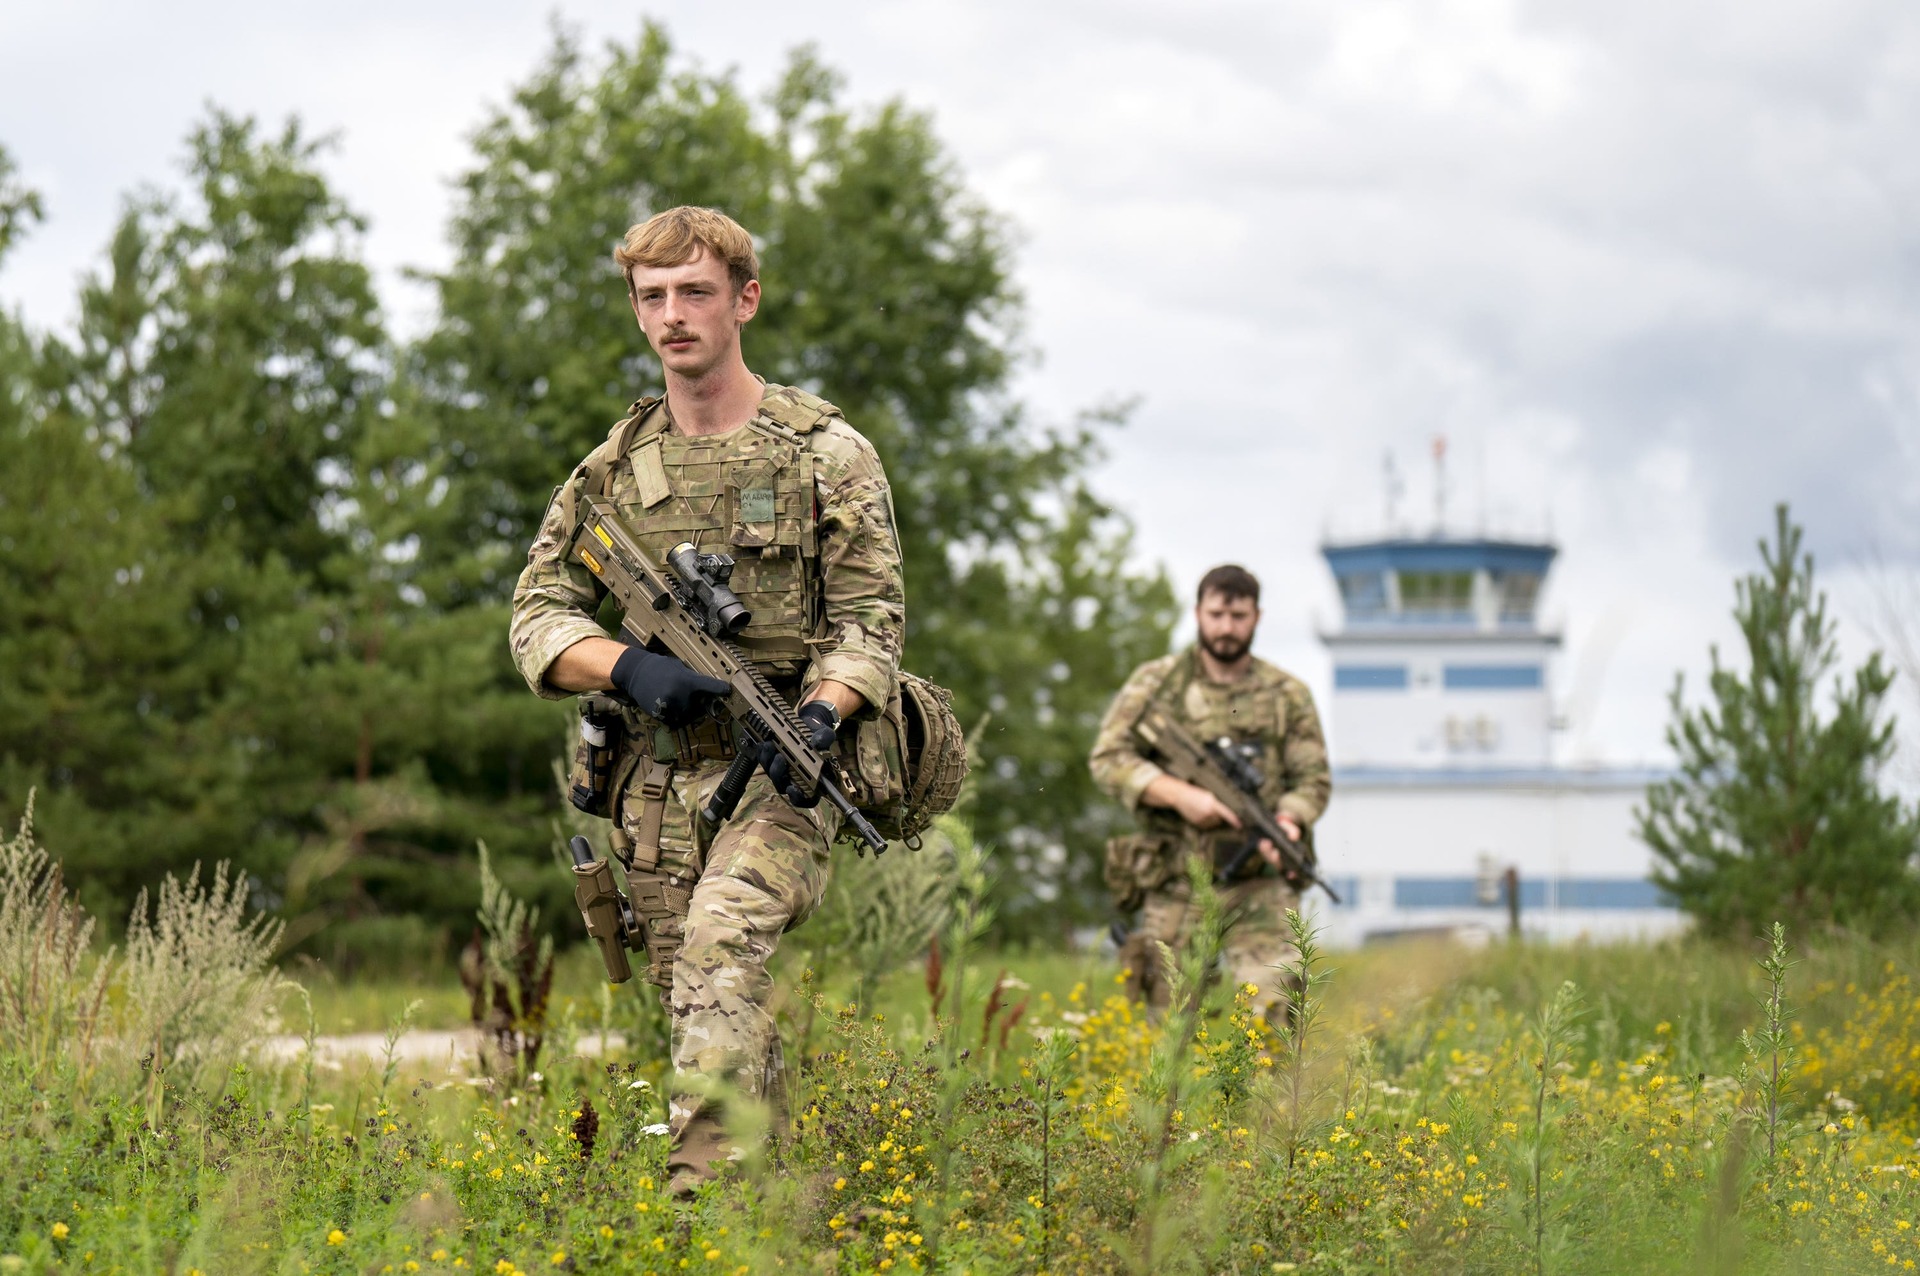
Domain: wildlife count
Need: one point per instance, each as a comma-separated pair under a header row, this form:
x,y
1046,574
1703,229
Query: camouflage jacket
x,y
1268,708
853,539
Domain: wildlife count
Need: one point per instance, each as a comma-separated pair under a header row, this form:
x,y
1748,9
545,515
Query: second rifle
x,y
1236,784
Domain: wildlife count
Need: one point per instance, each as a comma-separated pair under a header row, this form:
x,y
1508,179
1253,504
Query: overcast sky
x,y
1649,267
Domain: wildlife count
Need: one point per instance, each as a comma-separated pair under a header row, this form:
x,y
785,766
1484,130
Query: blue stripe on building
x,y
1348,888
1567,892
1369,677
1492,677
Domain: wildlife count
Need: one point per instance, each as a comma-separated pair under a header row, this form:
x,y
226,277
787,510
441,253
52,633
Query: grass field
x,y
1518,1108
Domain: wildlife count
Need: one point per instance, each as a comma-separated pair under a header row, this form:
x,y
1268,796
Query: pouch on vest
x,y
753,511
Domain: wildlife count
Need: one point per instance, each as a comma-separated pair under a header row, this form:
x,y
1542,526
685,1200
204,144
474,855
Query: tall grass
x,y
194,989
52,986
197,984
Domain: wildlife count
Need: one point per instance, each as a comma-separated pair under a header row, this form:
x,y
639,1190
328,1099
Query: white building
x,y
1443,777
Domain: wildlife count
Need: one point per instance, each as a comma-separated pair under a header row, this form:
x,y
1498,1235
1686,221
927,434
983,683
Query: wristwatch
x,y
832,709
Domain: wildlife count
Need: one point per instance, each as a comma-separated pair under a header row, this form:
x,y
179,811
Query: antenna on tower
x,y
1392,487
1439,484
1480,465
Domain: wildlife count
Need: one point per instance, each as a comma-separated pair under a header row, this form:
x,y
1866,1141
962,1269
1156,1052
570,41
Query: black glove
x,y
663,687
821,722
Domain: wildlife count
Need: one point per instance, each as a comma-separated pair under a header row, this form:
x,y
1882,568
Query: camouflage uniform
x,y
1268,708
800,500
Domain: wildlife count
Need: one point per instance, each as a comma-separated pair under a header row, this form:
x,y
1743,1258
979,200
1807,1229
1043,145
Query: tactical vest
x,y
748,493
1268,728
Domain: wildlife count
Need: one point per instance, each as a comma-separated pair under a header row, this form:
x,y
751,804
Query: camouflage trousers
x,y
732,892
1255,948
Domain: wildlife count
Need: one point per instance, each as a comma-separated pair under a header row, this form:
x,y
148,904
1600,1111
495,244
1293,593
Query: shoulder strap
x,y
602,461
595,472
1178,678
1173,684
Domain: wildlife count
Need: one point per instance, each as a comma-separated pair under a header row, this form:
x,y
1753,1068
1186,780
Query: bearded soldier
x,y
1220,691
774,477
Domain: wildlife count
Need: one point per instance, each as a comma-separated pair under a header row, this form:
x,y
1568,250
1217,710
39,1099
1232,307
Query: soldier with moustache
x,y
776,478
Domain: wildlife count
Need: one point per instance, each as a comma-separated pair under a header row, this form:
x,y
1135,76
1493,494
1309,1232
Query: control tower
x,y
1441,725
1440,659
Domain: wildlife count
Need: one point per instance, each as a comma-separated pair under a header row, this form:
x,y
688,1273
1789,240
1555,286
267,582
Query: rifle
x,y
687,611
1218,769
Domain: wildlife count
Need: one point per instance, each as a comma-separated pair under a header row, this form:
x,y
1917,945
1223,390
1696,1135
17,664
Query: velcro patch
x,y
756,505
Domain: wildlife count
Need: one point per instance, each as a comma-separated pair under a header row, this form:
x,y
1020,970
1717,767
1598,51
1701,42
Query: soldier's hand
x,y
1271,853
1202,809
663,687
819,719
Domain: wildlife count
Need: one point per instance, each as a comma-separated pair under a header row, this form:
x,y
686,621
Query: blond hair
x,y
676,236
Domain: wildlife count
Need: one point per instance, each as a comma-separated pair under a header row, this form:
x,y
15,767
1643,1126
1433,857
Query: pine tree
x,y
1776,813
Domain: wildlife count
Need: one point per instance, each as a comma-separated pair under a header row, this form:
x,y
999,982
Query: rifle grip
x,y
720,807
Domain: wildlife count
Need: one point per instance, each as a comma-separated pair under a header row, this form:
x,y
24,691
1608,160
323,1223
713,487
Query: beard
x,y
1226,648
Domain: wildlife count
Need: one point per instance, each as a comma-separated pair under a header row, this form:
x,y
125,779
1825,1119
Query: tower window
x,y
1437,596
1364,594
1517,592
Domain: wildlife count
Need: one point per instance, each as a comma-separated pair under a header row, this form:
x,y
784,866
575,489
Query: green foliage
x,y
209,502
1555,1031
19,205
882,912
1765,1071
1777,810
508,972
198,984
1307,976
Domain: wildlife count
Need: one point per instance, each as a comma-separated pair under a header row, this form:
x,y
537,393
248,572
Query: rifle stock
x,y
667,619
1186,758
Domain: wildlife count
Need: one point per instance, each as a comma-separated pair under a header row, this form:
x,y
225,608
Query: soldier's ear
x,y
746,302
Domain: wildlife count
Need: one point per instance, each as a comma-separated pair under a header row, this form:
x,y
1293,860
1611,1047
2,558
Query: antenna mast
x,y
1439,484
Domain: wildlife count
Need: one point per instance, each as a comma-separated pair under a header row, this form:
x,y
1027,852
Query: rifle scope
x,y
706,576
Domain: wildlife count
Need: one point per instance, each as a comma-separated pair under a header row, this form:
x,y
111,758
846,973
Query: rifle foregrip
x,y
869,836
720,807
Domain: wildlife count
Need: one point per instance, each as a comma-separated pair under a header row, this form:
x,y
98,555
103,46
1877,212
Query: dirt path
x,y
455,1050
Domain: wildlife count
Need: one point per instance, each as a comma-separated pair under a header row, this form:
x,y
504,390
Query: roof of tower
x,y
1439,554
